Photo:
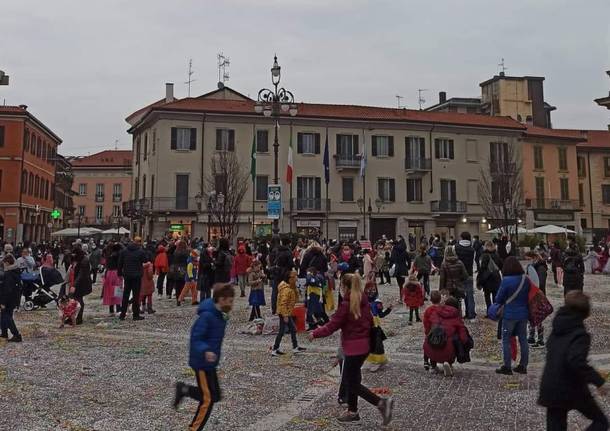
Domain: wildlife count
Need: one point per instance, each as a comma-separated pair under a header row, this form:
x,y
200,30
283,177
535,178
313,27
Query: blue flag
x,y
326,161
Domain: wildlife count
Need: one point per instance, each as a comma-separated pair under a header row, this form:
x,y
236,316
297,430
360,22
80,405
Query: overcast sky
x,y
83,66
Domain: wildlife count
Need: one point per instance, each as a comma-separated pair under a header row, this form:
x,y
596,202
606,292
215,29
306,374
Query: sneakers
x,y
349,417
16,339
179,394
504,370
426,366
277,353
297,350
4,336
520,369
136,318
121,316
385,407
447,369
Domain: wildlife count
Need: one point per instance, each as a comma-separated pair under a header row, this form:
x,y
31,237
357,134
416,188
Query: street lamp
x,y
272,103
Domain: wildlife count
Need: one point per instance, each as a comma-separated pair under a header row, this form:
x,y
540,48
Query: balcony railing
x,y
347,161
448,206
99,197
418,165
161,204
311,204
117,197
552,204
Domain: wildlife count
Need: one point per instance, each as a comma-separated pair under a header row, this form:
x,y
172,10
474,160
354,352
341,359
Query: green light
x,y
55,214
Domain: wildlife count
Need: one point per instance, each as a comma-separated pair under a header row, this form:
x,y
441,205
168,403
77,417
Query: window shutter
x,y
193,139
318,188
300,187
392,190
391,146
380,188
174,143
317,147
231,140
218,139
451,156
355,141
374,146
422,148
299,143
437,145
337,140
2,136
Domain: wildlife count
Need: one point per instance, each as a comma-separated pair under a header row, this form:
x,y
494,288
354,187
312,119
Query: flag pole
x,y
253,173
290,185
326,175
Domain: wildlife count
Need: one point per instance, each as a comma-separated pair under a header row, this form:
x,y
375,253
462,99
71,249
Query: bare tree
x,y
225,187
501,188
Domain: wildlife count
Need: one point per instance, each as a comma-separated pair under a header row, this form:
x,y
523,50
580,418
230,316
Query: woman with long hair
x,y
355,320
177,269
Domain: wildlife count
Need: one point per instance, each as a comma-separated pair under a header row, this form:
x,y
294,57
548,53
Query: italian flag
x,y
289,167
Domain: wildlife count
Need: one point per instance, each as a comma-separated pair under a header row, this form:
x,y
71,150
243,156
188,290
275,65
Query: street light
x,y
272,103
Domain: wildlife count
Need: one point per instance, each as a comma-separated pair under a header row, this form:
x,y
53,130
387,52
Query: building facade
x,y
421,169
27,175
64,195
102,182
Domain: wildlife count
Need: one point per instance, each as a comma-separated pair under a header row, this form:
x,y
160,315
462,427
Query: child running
x,y
286,299
377,355
413,297
206,341
192,268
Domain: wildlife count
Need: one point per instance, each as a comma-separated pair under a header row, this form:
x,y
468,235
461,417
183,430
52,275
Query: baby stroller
x,y
40,285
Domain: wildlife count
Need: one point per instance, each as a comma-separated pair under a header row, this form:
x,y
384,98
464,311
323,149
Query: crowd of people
x,y
337,282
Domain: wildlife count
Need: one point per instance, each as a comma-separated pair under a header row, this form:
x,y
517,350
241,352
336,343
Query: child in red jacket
x,y
413,297
430,316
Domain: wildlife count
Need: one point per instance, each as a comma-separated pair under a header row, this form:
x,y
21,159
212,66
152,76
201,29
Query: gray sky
x,y
82,66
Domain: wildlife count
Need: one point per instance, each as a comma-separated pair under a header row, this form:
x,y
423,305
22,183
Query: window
x,y
81,210
606,194
443,148
582,168
136,187
473,191
116,211
220,182
606,166
145,144
498,156
415,151
386,189
37,186
152,189
382,146
144,186
262,141
154,141
2,136
99,190
563,158
117,192
182,191
24,181
347,146
347,189
82,189
538,160
44,150
564,188
137,150
31,184
583,223
581,194
309,194
449,191
414,188
33,143
0,179
308,143
183,138
262,181
39,147
472,150
225,140
26,146
99,212
540,191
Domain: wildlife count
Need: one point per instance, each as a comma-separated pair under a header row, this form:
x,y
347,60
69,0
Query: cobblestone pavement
x,y
111,375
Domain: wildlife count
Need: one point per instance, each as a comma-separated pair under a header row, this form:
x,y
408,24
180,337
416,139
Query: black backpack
x,y
570,266
437,338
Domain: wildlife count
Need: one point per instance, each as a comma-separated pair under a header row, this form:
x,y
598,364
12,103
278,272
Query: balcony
x,y
448,207
347,161
553,204
137,207
317,205
117,197
99,197
419,165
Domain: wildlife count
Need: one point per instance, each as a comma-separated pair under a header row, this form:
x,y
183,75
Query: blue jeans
x,y
469,300
515,328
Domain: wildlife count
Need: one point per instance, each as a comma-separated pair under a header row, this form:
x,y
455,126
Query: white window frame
x,y
183,138
82,189
308,143
383,145
99,212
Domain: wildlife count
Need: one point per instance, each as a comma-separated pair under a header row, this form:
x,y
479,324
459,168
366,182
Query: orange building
x,y
102,182
550,178
27,175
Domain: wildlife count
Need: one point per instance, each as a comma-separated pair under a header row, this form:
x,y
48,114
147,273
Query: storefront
x,y
347,230
557,217
309,228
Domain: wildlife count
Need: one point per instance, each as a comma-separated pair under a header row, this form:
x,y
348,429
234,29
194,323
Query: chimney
x,y
169,92
442,97
24,107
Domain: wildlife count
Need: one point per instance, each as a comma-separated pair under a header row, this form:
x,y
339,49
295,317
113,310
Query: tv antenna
x,y
116,144
223,65
502,67
420,97
398,101
190,79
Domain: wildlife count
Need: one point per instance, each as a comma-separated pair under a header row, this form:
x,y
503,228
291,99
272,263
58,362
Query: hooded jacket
x,y
453,274
161,261
465,252
287,298
566,371
131,260
400,258
242,261
206,336
450,319
573,270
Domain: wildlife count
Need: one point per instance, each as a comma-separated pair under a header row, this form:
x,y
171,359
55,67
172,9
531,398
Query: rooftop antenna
x,y
223,65
398,101
190,77
420,97
502,67
116,144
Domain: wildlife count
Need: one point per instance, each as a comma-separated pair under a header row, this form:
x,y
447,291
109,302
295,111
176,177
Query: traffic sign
x,y
274,201
55,214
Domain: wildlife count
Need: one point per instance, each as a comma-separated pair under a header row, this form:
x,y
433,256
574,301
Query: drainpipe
x,y
590,190
430,148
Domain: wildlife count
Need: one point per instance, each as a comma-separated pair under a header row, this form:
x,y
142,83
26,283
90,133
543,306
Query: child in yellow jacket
x,y
287,297
192,268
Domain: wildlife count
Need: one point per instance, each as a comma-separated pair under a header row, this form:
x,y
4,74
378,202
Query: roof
x,y
343,112
146,108
460,101
599,139
564,134
511,78
22,111
103,159
585,138
603,101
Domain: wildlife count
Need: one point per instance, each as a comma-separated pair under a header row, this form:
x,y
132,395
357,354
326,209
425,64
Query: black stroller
x,y
40,285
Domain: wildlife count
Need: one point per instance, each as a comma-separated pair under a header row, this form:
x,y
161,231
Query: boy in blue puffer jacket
x,y
206,342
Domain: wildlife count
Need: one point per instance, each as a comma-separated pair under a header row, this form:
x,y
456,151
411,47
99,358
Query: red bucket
x,y
299,314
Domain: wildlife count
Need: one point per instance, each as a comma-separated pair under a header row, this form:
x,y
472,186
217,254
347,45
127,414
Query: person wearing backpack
x,y
453,274
573,269
513,297
444,323
489,277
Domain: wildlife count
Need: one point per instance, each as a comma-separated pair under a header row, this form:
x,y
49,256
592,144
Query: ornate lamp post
x,y
272,103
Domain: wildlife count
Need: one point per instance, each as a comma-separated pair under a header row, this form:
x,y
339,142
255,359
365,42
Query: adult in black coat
x,y
567,373
573,270
130,264
400,258
205,278
313,258
487,279
477,245
223,263
10,296
83,285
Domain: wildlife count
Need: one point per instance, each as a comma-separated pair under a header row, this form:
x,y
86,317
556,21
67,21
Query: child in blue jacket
x,y
206,342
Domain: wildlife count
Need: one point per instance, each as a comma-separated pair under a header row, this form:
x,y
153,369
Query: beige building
x,y
421,176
